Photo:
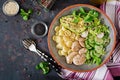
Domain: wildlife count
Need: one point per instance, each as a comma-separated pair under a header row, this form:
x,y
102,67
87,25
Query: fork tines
x,y
27,43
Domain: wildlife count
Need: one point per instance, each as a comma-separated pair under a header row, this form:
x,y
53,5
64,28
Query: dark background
x,y
17,63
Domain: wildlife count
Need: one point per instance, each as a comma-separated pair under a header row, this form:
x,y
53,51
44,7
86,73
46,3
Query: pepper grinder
x,y
47,4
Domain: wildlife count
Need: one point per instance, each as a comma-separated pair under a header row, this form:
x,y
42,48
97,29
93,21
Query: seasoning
x,y
39,29
10,7
47,4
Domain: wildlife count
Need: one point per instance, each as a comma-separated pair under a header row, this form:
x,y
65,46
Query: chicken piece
x,y
79,59
81,39
75,46
82,51
69,58
81,42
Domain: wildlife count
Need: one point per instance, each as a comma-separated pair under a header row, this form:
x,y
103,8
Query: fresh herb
x,y
82,12
76,17
92,14
88,16
43,66
25,15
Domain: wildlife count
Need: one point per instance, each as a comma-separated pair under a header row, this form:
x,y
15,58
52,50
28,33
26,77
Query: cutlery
x,y
31,45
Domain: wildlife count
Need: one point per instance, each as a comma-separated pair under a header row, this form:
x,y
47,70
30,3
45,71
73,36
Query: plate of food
x,y
81,38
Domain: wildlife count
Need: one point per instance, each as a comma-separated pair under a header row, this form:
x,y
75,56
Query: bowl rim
x,y
89,6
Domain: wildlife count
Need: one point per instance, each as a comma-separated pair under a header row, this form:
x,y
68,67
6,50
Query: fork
x,y
31,45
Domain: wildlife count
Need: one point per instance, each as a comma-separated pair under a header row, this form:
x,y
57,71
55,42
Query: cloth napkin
x,y
112,68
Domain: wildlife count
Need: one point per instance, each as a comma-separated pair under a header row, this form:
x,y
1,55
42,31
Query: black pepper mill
x,y
47,4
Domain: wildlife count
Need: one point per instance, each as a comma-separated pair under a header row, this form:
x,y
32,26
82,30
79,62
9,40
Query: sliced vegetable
x,y
98,41
98,60
87,45
88,55
96,22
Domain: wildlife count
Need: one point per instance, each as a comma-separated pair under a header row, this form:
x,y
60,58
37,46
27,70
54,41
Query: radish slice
x,y
84,34
100,35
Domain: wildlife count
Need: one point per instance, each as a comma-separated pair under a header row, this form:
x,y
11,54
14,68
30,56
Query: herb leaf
x,y
25,15
43,66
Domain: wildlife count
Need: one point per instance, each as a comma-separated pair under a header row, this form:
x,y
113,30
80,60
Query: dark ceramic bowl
x,y
61,60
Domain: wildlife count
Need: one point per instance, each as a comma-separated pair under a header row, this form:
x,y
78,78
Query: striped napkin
x,y
112,68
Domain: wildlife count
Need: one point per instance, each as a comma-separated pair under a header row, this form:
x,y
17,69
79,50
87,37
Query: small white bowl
x,y
8,3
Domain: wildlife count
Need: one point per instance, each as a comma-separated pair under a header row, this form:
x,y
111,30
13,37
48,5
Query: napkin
x,y
112,67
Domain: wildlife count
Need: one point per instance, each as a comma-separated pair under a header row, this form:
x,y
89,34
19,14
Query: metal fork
x,y
30,45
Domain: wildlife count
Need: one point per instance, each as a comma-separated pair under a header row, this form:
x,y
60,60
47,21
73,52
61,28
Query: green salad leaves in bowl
x,y
81,38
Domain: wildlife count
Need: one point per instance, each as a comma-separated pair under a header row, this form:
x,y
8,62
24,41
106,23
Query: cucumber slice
x,y
106,42
92,45
88,55
98,60
92,53
98,48
91,39
87,45
97,54
93,61
99,41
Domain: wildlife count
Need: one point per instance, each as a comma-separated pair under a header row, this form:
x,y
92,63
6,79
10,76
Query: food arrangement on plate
x,y
82,37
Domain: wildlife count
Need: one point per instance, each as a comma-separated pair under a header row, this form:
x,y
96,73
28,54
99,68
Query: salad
x,y
82,37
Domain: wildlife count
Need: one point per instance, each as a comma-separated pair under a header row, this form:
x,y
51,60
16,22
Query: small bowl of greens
x,y
81,38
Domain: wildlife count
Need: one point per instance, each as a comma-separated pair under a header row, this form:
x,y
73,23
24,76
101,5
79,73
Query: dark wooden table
x,y
17,63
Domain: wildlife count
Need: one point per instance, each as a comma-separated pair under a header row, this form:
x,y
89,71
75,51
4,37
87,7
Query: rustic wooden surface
x,y
17,63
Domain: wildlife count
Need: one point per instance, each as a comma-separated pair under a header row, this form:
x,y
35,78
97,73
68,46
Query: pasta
x,y
57,28
65,49
59,46
61,32
64,39
67,33
63,53
69,43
